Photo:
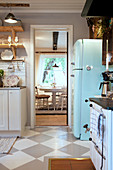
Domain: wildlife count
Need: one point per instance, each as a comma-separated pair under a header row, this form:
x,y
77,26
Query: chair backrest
x,y
36,90
64,91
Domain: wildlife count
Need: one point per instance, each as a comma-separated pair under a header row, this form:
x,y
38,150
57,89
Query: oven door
x,y
97,124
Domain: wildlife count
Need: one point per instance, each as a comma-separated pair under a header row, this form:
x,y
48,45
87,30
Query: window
x,y
50,74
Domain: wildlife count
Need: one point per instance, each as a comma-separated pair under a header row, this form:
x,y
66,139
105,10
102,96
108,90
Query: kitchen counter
x,y
106,103
12,88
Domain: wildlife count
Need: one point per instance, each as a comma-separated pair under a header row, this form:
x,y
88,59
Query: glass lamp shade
x,y
10,18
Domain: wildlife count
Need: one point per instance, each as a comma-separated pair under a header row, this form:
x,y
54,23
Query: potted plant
x,y
1,76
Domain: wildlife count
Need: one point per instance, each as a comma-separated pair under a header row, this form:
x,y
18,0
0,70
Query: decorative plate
x,y
7,55
11,80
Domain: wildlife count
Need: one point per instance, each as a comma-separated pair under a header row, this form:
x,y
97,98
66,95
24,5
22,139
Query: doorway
x,y
69,29
51,78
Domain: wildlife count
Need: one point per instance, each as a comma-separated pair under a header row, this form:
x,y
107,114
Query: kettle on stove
x,y
106,86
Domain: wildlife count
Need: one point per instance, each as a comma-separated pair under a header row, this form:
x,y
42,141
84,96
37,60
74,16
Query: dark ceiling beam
x,y
97,8
55,40
14,5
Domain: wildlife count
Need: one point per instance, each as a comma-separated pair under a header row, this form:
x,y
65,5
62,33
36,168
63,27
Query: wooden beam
x,y
14,5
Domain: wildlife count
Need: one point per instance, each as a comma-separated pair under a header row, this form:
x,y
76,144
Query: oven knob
x,y
91,105
90,139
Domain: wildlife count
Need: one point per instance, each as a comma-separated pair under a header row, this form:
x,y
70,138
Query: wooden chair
x,y
62,100
41,100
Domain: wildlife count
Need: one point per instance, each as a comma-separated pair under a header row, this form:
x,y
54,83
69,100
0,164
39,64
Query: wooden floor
x,y
51,120
70,164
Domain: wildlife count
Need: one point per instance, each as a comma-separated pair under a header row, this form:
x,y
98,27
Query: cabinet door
x,y
14,109
3,110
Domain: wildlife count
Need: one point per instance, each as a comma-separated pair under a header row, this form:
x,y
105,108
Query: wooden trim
x,y
58,52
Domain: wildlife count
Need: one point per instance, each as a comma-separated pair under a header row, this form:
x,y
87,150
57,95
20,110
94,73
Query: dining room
x,y
51,96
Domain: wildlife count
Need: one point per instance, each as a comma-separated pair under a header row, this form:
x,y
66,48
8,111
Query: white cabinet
x,y
3,110
12,111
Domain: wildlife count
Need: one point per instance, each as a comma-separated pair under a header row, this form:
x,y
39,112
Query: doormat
x,y
6,144
70,164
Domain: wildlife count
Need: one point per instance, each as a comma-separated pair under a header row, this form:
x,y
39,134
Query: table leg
x,y
54,99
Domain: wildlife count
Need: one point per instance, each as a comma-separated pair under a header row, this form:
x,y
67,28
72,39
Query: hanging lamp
x,y
55,65
10,18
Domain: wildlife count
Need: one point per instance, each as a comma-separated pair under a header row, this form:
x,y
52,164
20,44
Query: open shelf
x,y
12,45
10,28
22,60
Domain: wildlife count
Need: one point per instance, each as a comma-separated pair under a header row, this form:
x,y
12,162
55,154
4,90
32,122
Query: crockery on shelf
x,y
7,55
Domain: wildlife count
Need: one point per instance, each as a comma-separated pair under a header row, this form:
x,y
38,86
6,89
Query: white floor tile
x,y
17,159
24,143
54,133
86,154
28,133
83,143
56,143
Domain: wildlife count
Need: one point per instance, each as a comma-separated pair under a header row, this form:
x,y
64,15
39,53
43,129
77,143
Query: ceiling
x,y
46,6
44,41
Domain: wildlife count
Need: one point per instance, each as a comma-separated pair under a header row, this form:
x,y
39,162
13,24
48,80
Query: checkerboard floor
x,y
33,150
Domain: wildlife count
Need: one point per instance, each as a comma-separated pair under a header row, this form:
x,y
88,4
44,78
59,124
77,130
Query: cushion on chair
x,y
42,96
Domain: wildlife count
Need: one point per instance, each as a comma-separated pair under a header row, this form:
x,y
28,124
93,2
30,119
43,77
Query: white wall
x,y
80,31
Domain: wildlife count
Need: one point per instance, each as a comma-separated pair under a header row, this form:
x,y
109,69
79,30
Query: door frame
x,y
69,29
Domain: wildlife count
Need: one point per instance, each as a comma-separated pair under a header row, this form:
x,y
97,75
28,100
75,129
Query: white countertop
x,y
12,88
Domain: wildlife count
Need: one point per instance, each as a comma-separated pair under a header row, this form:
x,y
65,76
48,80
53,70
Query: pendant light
x,y
55,65
10,18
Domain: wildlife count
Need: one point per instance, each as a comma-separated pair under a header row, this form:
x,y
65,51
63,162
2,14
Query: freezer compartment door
x,y
77,104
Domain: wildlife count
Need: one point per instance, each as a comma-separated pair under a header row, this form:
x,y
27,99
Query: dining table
x,y
53,90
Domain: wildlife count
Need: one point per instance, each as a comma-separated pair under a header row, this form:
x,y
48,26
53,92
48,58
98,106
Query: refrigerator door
x,y
78,54
77,103
77,71
91,78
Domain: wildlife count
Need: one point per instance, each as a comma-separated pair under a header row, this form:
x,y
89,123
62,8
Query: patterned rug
x,y
70,164
6,144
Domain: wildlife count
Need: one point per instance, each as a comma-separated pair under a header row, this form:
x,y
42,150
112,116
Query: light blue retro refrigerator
x,y
86,80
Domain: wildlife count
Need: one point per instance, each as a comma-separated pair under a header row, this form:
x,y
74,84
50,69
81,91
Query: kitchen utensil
x,y
11,68
106,86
